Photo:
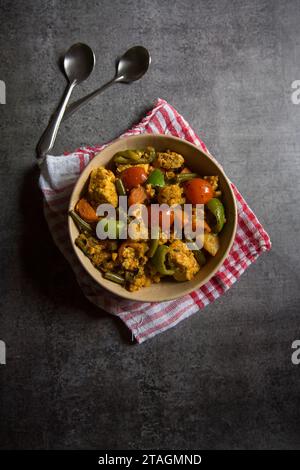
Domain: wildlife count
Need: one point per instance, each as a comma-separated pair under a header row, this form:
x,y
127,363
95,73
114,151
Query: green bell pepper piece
x,y
216,207
153,247
156,178
159,261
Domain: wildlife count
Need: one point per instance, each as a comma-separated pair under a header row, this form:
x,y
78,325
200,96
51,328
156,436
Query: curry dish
x,y
147,177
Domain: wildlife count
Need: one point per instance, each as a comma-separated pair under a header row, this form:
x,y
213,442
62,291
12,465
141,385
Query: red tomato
x,y
168,214
133,176
198,191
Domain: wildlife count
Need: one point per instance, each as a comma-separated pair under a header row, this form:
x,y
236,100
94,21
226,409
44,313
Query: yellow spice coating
x,y
133,256
98,251
144,278
171,194
169,160
183,261
123,166
102,187
213,180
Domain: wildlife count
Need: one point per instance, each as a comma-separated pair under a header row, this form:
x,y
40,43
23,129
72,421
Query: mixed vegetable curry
x,y
148,177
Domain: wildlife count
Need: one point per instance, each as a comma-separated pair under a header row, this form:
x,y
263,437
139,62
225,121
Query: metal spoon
x,y
79,62
131,67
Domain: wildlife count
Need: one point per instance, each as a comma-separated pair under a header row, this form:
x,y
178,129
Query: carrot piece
x,y
137,195
86,211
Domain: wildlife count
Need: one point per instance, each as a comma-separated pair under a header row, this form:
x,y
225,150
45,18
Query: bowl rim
x,y
131,295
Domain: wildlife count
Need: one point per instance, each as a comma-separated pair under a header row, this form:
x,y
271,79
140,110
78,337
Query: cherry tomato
x,y
198,191
133,176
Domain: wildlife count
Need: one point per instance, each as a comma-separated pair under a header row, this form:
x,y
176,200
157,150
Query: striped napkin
x,y
144,319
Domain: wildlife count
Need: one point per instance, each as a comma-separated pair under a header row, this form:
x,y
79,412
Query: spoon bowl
x,y
79,62
133,64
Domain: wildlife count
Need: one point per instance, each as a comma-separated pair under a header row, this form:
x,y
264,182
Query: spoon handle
x,y
48,138
73,107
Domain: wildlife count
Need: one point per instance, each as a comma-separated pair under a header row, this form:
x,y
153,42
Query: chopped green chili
x,y
216,207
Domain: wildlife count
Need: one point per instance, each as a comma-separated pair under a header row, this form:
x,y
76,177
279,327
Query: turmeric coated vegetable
x,y
137,195
86,211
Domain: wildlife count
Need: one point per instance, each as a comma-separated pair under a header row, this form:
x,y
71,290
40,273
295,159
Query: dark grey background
x,y
223,378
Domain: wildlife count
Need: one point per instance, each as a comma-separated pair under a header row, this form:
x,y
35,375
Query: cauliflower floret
x,y
98,251
102,187
132,255
170,175
171,194
183,261
213,181
138,281
169,160
145,276
150,191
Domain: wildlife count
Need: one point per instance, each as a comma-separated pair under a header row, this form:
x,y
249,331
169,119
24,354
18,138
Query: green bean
x,y
114,278
185,177
80,223
82,245
120,187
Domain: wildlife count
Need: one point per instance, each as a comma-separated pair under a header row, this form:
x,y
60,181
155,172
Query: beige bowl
x,y
198,162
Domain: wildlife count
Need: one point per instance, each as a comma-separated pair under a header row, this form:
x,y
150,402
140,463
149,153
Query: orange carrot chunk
x,y
86,211
137,196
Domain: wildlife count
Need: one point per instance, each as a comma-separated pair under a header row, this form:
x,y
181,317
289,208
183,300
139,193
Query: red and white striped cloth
x,y
145,320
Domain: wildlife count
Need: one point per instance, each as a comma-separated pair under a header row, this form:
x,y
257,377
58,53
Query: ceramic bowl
x,y
198,162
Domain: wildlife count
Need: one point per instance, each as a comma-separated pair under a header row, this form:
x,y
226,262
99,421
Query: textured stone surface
x,y
224,378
